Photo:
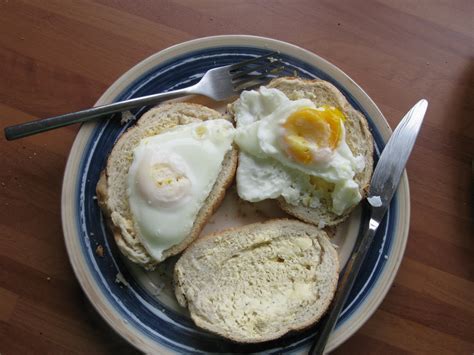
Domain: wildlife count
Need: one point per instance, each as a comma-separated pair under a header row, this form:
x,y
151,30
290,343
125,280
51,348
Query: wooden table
x,y
59,56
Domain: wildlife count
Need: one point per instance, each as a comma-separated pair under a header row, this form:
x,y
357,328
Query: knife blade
x,y
384,183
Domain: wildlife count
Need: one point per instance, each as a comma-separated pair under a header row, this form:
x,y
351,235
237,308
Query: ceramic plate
x,y
140,306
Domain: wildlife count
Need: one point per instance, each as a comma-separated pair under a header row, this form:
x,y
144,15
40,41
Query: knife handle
x,y
345,285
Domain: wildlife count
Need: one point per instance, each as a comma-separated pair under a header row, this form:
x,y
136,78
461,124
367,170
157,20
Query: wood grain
x,y
59,56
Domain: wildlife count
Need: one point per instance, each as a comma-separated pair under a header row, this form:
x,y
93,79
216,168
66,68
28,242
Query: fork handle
x,y
46,124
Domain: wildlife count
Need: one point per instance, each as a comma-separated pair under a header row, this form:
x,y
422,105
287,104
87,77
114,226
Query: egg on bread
x,y
302,143
164,178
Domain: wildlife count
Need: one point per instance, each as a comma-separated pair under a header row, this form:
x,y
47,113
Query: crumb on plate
x,y
127,116
100,251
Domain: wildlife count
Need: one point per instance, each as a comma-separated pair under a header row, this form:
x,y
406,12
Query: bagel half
x,y
258,282
112,186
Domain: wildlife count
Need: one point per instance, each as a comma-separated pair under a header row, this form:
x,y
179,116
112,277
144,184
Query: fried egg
x,y
293,149
170,177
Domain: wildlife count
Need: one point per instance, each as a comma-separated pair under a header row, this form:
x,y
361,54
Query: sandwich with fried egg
x,y
164,178
303,144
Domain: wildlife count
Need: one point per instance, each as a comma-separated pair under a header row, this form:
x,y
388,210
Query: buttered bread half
x,y
303,144
258,282
164,178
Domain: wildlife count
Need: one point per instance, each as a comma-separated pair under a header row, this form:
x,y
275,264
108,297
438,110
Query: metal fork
x,y
218,84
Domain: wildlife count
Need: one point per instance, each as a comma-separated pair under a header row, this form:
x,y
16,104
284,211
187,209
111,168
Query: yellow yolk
x,y
309,130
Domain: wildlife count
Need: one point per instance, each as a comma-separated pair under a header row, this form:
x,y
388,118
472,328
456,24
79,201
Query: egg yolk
x,y
309,130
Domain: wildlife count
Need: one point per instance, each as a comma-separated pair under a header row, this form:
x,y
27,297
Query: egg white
x,y
170,177
264,163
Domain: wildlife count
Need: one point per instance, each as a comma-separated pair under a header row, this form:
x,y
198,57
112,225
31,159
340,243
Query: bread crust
x,y
274,224
125,236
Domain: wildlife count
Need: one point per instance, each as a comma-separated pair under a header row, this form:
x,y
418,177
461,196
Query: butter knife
x,y
383,185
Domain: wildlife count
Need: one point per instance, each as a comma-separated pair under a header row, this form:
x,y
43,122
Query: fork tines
x,y
256,71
